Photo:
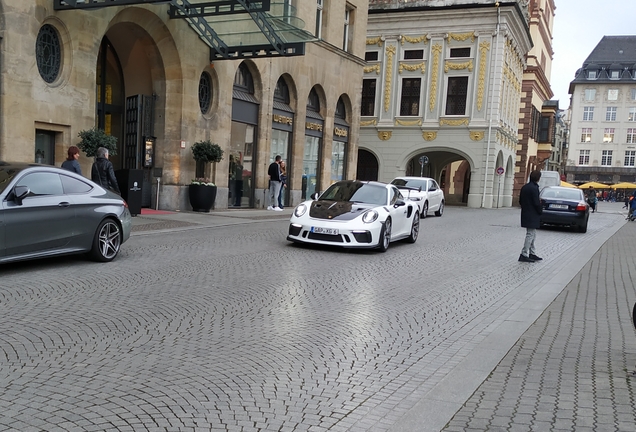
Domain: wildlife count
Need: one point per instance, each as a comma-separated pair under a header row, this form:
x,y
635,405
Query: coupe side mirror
x,y
19,193
314,196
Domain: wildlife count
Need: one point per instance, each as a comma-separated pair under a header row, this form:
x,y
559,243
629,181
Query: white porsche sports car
x,y
425,191
356,214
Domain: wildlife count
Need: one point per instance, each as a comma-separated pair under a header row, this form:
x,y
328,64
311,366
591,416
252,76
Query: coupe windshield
x,y
7,173
356,192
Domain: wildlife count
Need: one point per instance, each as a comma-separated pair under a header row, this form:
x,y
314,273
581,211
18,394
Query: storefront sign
x,y
340,132
283,119
313,126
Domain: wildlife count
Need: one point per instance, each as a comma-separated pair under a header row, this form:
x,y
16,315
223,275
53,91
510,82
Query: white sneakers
x,y
274,208
270,208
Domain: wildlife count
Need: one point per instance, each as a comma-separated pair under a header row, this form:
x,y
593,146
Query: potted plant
x,y
202,191
94,138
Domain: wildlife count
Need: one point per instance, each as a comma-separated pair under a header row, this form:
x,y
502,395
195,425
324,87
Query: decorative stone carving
x,y
458,66
408,122
429,135
412,67
413,40
437,51
453,122
390,52
476,135
461,36
385,135
375,68
484,47
376,40
368,122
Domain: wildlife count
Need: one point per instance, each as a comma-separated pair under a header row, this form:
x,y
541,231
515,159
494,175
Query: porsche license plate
x,y
559,206
330,231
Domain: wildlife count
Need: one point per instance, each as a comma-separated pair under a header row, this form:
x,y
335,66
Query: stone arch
x,y
368,165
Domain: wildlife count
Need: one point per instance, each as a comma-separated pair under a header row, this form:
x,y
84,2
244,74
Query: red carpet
x,y
149,211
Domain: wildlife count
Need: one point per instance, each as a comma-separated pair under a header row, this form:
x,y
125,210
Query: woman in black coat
x,y
531,210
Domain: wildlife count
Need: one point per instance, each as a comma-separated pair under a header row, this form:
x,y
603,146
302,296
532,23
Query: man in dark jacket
x,y
531,210
102,171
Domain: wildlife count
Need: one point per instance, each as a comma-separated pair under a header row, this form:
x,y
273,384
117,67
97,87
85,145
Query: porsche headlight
x,y
300,210
370,216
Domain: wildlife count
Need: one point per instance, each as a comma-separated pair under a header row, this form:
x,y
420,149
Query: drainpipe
x,y
492,97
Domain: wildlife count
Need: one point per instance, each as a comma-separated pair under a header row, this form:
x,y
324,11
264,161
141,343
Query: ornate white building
x,y
441,95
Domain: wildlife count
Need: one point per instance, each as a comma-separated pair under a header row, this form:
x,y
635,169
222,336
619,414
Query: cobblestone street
x,y
233,328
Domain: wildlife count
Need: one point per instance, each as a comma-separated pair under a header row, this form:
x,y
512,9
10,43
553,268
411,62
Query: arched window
x,y
281,92
243,80
205,92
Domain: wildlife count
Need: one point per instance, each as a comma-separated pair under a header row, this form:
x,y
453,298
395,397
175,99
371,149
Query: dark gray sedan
x,y
47,211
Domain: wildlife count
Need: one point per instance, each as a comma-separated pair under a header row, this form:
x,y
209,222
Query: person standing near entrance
x,y
283,183
274,184
103,172
71,163
531,210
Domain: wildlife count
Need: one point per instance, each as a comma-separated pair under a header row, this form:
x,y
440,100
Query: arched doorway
x,y
367,166
282,130
312,156
339,150
245,109
110,97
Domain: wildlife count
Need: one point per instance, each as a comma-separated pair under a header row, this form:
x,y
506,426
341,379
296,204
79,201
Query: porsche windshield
x,y
356,192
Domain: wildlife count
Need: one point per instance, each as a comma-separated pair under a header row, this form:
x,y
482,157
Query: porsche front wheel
x,y
385,236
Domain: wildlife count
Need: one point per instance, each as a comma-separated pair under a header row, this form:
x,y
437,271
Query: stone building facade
x,y
603,115
136,61
442,86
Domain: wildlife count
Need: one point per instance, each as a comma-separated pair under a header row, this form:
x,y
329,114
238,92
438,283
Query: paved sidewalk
x,y
574,368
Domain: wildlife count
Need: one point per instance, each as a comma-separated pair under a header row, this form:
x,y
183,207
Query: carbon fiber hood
x,y
337,210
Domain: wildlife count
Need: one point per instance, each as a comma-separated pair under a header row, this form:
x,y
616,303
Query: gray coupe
x,y
47,211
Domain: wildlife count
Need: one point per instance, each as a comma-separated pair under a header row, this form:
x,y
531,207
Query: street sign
x,y
500,170
423,160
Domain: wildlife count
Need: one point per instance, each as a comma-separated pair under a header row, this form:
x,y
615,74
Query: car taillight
x,y
581,206
125,204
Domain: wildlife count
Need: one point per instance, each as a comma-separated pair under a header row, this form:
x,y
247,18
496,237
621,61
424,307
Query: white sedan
x,y
423,190
356,214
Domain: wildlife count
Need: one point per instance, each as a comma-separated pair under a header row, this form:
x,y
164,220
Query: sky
x,y
579,25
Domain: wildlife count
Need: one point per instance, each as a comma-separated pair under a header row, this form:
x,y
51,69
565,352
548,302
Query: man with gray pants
x,y
274,184
531,210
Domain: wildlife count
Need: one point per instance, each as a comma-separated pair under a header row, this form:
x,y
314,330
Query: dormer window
x,y
615,74
591,74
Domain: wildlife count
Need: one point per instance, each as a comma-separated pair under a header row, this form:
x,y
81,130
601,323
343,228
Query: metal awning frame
x,y
195,15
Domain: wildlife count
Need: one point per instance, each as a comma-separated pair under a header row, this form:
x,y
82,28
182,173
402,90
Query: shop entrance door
x,y
241,168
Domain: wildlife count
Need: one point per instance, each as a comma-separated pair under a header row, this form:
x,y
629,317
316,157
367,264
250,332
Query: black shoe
x,y
524,258
534,257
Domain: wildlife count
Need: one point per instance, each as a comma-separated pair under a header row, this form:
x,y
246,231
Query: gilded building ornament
x,y
408,122
484,47
476,135
390,52
375,68
369,122
413,40
385,135
376,40
461,36
458,66
429,135
453,122
437,51
412,67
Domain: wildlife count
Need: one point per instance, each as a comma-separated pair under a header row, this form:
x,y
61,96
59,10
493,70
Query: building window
x,y
410,102
586,135
319,7
634,93
631,136
456,95
413,54
544,130
205,92
48,53
588,113
610,114
590,94
591,74
630,158
632,114
459,52
606,158
584,157
612,94
368,97
615,74
608,135
348,28
371,56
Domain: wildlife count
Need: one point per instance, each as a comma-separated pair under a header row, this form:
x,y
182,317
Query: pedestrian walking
x,y
283,182
103,173
592,199
274,184
71,163
531,210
